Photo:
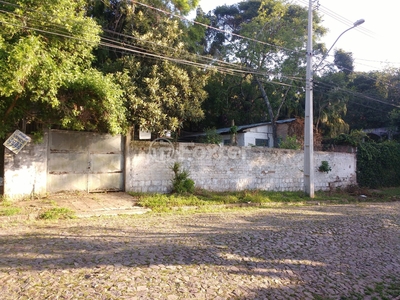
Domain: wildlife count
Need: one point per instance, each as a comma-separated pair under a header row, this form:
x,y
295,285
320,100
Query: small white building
x,y
258,134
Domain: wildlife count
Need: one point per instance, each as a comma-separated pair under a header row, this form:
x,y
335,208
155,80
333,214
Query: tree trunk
x,y
270,113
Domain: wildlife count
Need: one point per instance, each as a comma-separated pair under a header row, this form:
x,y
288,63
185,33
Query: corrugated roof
x,y
240,128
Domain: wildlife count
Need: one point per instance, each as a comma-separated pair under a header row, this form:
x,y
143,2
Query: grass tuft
x,y
7,208
57,213
9,211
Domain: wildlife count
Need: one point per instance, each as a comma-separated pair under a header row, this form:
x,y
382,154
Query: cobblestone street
x,y
310,252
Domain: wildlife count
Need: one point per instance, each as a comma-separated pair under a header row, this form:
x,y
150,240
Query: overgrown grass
x,y
205,200
57,213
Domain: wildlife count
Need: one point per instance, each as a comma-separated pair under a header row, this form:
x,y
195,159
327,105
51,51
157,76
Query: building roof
x,y
240,128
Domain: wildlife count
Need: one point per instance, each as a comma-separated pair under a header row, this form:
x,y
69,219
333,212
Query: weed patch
x,y
57,213
208,200
7,209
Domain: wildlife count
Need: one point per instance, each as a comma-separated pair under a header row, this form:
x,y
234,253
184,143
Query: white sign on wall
x,y
17,141
144,135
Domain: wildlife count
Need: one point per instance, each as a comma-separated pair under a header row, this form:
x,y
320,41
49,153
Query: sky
x,y
375,44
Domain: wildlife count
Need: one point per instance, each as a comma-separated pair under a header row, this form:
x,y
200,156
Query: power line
x,y
141,51
357,94
217,29
339,18
153,55
144,52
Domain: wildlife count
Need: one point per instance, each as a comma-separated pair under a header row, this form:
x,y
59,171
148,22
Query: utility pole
x,y
308,126
309,123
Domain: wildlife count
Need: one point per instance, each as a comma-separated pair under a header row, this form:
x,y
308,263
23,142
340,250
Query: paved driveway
x,y
317,252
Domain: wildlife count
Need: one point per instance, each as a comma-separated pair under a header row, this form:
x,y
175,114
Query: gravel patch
x,y
314,252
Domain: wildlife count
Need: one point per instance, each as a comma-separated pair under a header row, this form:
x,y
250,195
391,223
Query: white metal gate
x,y
84,161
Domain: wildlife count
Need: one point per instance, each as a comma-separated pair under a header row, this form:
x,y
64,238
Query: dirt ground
x,y
83,204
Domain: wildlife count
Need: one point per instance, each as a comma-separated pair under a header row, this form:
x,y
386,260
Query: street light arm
x,y
357,23
308,116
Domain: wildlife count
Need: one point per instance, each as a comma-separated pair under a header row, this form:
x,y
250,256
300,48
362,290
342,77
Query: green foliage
x,y
344,61
330,104
160,93
362,112
395,118
57,213
92,102
277,25
324,167
204,200
378,165
165,203
355,138
290,142
45,61
211,137
181,184
37,137
231,98
7,209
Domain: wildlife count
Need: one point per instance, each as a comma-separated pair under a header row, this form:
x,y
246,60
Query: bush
x,y
290,142
378,165
324,167
181,183
211,137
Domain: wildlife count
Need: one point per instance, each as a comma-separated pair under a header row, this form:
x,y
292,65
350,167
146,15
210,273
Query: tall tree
x,y
330,104
152,62
45,62
344,61
273,48
330,96
368,106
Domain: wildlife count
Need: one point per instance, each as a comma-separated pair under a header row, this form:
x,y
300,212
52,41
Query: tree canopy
x,y
106,65
154,67
45,61
265,40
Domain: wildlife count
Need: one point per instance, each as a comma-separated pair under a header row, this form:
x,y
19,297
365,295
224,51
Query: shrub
x,y
181,183
290,142
324,167
211,137
378,165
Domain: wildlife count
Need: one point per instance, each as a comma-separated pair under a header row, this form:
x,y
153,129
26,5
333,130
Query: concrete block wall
x,y
25,173
212,167
229,168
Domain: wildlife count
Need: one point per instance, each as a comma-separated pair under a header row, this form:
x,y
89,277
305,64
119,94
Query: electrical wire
x,y
339,18
357,94
181,61
346,21
152,55
217,29
141,52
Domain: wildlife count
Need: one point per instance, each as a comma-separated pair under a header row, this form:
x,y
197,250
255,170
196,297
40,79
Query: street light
x,y
308,125
355,24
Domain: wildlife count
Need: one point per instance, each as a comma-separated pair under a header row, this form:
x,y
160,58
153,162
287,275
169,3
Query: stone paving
x,y
310,252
